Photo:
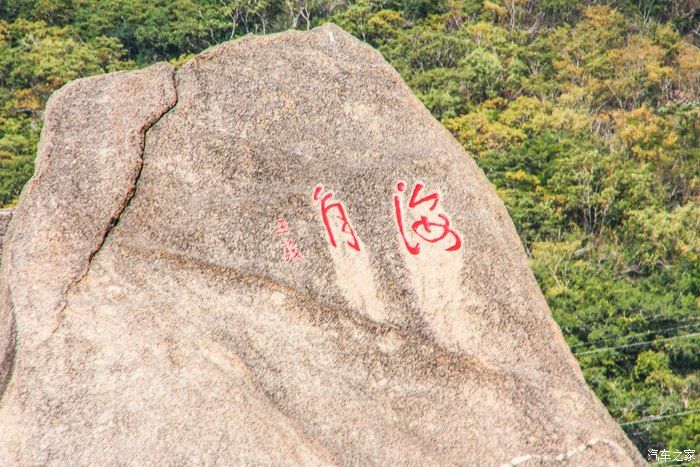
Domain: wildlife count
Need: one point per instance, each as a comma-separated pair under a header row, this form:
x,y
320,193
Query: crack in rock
x,y
60,313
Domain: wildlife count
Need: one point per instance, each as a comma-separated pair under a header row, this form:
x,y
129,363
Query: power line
x,y
664,317
636,334
601,349
660,417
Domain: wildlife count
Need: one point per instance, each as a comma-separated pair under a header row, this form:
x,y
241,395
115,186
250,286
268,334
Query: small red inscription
x,y
282,227
290,248
432,227
335,219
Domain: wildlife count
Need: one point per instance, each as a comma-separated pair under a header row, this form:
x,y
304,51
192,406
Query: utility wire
x,y
602,349
661,331
656,418
663,317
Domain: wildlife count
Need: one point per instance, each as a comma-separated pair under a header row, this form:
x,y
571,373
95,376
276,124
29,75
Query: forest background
x,y
583,114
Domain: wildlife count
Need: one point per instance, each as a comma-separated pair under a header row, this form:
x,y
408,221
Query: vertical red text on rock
x,y
426,224
282,227
290,249
335,219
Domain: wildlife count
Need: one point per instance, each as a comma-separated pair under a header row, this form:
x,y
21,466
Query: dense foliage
x,y
585,116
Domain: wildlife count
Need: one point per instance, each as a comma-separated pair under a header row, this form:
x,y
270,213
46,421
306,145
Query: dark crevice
x,y
7,363
114,221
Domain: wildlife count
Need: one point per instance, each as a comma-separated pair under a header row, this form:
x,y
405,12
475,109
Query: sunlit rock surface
x,y
275,255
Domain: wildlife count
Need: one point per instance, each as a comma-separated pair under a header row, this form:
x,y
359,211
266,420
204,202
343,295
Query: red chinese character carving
x,y
291,250
339,217
282,227
432,229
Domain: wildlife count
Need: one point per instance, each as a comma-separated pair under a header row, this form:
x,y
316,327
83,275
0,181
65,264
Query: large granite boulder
x,y
275,255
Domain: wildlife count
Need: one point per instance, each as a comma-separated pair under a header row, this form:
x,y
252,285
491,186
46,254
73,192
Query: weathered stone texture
x,y
5,218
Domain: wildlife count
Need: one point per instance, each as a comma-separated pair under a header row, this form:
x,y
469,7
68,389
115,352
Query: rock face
x,y
5,218
275,255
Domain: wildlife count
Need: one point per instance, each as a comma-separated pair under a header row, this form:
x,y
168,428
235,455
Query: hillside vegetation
x,y
584,115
